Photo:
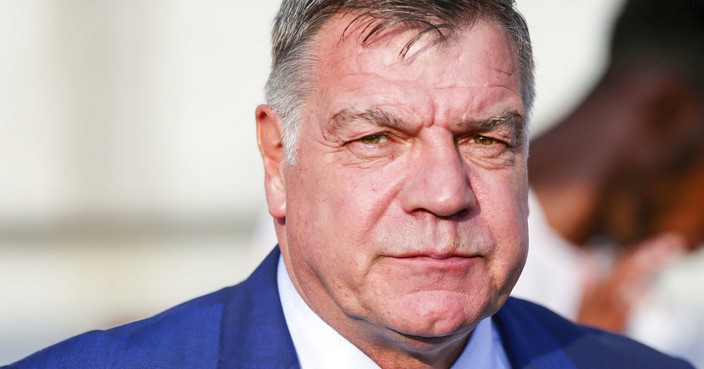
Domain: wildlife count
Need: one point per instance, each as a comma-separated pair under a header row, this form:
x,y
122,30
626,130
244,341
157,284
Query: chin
x,y
429,339
440,314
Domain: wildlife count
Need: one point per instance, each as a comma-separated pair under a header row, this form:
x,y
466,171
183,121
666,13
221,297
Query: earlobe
x,y
269,138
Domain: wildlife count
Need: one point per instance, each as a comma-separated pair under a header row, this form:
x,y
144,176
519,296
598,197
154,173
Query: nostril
x,y
461,215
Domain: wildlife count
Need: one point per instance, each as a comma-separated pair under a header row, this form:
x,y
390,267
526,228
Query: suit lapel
x,y
527,343
253,333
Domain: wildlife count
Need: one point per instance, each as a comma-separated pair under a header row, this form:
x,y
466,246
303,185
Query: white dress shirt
x,y
319,346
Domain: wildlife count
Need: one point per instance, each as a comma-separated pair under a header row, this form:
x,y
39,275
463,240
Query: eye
x,y
486,150
376,147
373,139
483,140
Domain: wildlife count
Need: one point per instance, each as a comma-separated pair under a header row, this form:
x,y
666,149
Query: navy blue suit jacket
x,y
243,327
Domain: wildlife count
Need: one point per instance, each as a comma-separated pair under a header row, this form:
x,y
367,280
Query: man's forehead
x,y
475,72
483,47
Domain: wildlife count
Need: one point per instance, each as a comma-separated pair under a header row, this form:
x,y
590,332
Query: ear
x,y
270,142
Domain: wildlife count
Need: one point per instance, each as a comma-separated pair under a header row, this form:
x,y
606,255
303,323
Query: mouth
x,y
446,261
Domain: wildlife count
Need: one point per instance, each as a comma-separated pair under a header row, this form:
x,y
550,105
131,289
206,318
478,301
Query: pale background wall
x,y
129,174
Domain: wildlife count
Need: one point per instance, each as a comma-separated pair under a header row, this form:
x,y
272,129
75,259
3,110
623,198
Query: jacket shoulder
x,y
237,327
185,336
536,337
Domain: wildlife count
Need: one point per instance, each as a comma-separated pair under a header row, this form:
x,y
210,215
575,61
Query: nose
x,y
439,181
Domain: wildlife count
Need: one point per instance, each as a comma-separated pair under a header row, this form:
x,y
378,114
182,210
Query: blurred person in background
x,y
618,187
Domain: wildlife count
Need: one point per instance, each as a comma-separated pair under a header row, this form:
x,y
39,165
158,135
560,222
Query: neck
x,y
392,350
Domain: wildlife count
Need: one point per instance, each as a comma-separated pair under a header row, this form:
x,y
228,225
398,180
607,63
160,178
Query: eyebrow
x,y
379,117
508,119
511,120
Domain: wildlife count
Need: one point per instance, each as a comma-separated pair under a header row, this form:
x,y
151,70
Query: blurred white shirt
x,y
670,317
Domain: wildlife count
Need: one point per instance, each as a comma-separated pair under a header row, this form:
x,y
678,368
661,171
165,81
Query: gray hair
x,y
298,21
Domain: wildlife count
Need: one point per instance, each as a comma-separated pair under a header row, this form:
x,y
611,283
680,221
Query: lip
x,y
434,255
438,261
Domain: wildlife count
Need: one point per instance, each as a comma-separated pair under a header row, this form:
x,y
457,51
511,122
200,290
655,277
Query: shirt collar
x,y
318,345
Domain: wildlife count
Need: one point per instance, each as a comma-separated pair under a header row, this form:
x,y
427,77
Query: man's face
x,y
405,213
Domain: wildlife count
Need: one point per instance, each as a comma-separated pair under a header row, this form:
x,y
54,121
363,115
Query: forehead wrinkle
x,y
510,71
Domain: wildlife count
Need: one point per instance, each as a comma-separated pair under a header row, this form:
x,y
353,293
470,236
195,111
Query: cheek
x,y
331,215
503,202
503,194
